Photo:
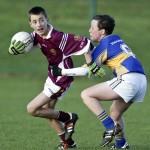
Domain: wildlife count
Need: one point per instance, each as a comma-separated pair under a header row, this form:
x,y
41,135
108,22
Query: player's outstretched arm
x,y
79,71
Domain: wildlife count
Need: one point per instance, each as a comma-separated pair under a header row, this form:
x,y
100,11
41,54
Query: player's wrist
x,y
56,71
89,64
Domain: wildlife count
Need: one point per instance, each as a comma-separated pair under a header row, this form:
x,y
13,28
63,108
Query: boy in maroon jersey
x,y
57,48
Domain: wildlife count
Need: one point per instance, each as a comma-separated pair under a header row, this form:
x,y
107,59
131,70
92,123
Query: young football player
x,y
58,47
127,87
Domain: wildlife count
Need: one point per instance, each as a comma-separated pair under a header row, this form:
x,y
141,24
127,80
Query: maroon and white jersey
x,y
58,47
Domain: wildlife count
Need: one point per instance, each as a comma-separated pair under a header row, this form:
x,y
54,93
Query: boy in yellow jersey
x,y
128,86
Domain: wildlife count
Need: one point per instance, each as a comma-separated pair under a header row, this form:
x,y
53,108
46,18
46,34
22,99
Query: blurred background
x,y
22,77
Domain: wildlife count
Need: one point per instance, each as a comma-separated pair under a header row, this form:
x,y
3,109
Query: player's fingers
x,y
10,52
21,48
13,42
19,45
89,75
16,44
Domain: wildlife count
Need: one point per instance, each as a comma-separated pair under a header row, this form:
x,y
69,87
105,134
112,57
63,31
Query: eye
x,y
34,22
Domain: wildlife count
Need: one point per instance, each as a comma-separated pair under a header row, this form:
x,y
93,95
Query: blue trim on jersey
x,y
133,65
99,50
113,46
108,43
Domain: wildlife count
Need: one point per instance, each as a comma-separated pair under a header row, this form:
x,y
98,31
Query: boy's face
x,y
96,34
39,24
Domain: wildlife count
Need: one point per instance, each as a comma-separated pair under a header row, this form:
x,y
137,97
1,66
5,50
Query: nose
x,y
89,29
38,24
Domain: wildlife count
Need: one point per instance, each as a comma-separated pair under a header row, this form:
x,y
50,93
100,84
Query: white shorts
x,y
54,91
130,86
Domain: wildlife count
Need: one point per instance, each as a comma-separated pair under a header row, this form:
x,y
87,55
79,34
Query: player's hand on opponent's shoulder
x,y
96,70
16,48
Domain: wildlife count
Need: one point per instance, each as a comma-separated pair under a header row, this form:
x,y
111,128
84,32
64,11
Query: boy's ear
x,y
102,31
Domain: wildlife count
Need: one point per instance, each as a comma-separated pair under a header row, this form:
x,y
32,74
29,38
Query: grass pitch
x,y
22,77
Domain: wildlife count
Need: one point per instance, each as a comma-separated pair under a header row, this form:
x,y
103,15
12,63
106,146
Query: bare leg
x,y
35,107
102,92
55,124
42,106
99,92
117,109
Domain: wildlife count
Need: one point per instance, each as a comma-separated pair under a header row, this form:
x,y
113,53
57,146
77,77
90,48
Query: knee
x,y
84,95
31,110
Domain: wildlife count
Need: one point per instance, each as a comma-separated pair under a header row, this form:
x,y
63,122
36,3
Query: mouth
x,y
40,30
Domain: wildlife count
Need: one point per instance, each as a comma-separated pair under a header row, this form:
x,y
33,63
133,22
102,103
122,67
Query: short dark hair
x,y
37,10
105,22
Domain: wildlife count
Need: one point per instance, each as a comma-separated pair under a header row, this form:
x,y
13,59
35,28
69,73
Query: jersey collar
x,y
50,31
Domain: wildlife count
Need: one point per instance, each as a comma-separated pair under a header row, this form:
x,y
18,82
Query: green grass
x,y
19,131
22,77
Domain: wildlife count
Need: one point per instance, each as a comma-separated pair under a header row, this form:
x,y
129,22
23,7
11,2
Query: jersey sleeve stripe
x,y
63,42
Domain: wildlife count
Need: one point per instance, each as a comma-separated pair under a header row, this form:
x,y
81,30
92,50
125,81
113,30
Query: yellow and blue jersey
x,y
114,53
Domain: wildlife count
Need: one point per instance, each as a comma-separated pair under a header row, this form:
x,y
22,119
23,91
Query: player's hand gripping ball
x,y
21,42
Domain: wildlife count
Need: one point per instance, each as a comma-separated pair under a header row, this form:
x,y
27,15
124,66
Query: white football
x,y
24,37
